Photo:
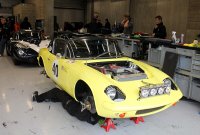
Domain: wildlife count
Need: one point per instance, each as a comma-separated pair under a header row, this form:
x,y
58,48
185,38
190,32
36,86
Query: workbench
x,y
129,47
187,73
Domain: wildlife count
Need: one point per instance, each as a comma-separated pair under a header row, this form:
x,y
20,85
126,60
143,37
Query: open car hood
x,y
43,44
120,70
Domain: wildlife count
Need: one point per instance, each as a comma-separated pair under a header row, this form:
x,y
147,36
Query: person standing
x,y
25,24
127,25
4,34
107,24
159,30
93,26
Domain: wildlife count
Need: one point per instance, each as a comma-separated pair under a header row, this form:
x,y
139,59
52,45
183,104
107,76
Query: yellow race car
x,y
94,72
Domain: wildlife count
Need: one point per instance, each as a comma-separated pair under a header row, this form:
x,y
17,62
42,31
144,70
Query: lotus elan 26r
x,y
95,73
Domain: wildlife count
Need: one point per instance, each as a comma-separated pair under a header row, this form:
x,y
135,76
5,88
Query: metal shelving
x,y
187,74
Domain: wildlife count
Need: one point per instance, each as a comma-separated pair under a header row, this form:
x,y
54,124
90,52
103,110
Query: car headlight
x,y
114,93
167,90
111,92
144,93
161,90
20,52
153,92
167,82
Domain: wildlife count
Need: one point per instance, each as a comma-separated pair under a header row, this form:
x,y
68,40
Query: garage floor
x,y
20,116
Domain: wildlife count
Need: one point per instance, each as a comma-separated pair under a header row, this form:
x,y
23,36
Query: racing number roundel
x,y
55,69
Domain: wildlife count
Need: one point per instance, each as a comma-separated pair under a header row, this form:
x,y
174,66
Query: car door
x,y
65,71
53,58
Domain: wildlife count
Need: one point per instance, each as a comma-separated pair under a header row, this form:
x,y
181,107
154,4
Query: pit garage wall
x,y
44,10
22,10
6,7
69,11
65,10
174,13
182,16
114,10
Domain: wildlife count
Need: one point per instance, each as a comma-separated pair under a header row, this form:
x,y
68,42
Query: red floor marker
x,y
137,119
108,124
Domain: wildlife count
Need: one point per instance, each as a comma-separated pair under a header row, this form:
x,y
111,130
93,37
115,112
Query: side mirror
x,y
58,55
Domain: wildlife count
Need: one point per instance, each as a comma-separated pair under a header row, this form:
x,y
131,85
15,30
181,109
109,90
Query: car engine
x,y
120,70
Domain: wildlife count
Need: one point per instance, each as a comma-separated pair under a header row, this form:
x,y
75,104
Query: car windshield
x,y
95,48
27,35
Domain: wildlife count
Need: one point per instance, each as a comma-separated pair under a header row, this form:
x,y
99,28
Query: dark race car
x,y
24,46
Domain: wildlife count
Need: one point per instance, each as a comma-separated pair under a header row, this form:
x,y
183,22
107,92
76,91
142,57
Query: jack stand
x,y
108,123
137,119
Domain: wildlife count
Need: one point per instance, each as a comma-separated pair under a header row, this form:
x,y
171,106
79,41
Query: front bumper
x,y
28,58
133,112
138,108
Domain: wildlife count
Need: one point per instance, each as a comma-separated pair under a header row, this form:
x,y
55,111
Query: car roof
x,y
78,36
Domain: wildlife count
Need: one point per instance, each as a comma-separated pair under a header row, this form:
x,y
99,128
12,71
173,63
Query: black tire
x,y
7,50
41,63
8,53
16,62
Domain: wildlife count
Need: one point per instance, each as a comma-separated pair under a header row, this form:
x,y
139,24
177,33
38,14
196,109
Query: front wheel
x,y
8,50
8,53
16,62
89,103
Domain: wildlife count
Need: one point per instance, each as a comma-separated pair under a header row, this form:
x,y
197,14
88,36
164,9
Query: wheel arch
x,y
81,88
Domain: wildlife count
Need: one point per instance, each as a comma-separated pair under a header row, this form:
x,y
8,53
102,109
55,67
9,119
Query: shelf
x,y
188,67
195,76
184,72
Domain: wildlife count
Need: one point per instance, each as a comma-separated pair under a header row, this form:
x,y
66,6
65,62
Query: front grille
x,y
148,110
31,52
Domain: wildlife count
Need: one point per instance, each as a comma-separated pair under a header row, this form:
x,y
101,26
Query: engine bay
x,y
120,70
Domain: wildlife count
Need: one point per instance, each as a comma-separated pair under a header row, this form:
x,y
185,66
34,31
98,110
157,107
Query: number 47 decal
x,y
55,69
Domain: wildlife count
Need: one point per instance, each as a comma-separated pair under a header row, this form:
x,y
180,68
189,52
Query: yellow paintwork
x,y
70,71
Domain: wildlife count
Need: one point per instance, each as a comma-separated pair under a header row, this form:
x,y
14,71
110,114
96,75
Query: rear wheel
x,y
41,63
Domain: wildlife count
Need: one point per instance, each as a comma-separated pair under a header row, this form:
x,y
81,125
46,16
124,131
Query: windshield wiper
x,y
114,55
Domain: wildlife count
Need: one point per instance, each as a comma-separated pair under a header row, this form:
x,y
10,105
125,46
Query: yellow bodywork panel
x,y
67,72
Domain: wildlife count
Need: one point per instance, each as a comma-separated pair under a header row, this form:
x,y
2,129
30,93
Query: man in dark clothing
x,y
4,35
107,24
68,26
159,30
93,26
73,107
99,25
25,24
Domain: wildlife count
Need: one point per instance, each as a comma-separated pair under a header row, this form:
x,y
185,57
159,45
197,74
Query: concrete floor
x,y
20,116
